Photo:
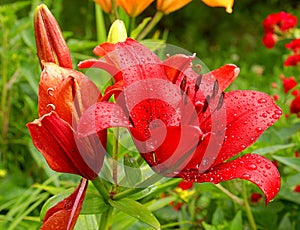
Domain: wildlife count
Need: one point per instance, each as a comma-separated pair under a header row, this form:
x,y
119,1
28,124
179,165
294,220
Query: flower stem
x,y
115,156
232,196
105,220
157,17
100,24
99,185
247,207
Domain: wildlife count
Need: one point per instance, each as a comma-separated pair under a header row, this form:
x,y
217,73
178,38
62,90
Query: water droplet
x,y
278,112
246,176
50,91
243,146
252,166
264,115
268,166
275,116
261,100
259,129
51,106
258,161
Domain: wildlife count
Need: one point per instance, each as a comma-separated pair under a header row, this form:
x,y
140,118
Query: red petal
x,y
225,75
54,138
100,116
248,115
104,48
56,87
111,68
251,167
136,62
63,216
176,65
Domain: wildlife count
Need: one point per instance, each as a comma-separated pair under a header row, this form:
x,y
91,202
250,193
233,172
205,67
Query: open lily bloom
x,y
181,121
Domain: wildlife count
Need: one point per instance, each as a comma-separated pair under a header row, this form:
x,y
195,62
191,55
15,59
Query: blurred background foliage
x,y
216,37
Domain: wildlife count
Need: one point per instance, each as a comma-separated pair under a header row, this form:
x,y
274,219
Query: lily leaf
x,y
290,161
136,210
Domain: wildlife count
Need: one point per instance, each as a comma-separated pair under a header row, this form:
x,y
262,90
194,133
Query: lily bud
x,y
117,32
50,44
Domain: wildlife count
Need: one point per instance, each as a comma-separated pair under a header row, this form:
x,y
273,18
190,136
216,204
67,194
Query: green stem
x,y
99,185
100,25
157,17
105,220
115,156
247,207
230,195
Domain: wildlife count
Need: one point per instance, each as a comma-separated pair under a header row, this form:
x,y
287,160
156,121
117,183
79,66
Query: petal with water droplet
x,y
101,116
245,120
267,179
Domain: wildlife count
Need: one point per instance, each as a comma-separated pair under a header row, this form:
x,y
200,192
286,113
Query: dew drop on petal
x,y
246,176
268,166
51,106
50,91
261,100
252,166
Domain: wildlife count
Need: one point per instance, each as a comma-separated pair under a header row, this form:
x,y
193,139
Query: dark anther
x,y
131,122
215,89
183,84
206,102
187,94
221,101
198,82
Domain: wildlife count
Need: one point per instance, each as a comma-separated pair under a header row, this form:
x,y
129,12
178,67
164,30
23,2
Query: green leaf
x,y
285,223
86,222
273,149
290,161
136,210
237,223
218,217
132,171
93,204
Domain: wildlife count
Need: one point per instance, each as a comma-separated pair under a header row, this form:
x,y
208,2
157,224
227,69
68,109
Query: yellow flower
x,y
105,5
168,6
220,3
134,7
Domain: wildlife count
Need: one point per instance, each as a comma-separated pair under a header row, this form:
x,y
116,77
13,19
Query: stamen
x,y
187,94
183,84
198,82
221,101
131,122
215,89
206,102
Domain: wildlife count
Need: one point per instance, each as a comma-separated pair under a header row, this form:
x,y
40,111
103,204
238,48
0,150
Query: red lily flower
x,y
182,122
64,94
281,19
294,45
288,83
293,60
295,106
